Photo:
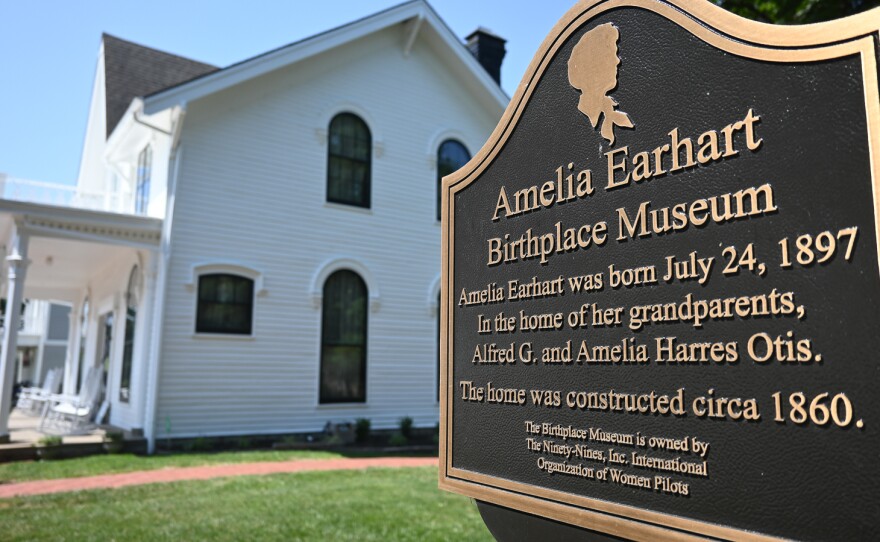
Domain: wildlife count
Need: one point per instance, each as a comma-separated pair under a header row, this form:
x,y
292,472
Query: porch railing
x,y
33,317
64,195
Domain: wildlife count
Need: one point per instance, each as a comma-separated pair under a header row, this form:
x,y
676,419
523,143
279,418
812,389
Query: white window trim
x,y
377,149
327,268
348,207
337,263
340,406
226,268
230,268
118,403
438,139
323,127
225,336
433,294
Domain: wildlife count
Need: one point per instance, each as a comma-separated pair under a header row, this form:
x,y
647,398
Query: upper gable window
x,y
450,157
348,167
142,190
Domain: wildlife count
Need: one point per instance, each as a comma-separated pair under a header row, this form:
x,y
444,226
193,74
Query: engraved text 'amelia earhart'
x,y
624,169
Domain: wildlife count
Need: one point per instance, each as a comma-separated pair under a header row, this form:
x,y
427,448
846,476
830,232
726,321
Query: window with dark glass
x,y
131,304
105,328
348,167
142,189
450,157
344,339
83,334
226,304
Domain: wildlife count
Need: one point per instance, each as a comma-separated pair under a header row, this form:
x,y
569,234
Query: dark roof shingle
x,y
132,70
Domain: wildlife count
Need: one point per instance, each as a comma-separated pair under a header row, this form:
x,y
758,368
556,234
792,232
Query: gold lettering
x,y
612,167
658,159
750,122
585,183
502,204
708,147
728,138
641,167
676,147
547,193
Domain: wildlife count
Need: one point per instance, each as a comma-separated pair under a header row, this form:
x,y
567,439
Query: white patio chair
x,y
31,399
70,415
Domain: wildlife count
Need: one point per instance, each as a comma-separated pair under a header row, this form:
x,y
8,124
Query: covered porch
x,y
103,266
26,440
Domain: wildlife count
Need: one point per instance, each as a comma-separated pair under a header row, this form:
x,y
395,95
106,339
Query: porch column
x,y
71,360
17,261
143,340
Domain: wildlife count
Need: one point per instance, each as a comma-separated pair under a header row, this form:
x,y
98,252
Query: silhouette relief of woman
x,y
592,69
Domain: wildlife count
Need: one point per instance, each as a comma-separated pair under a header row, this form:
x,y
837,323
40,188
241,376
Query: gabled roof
x,y
132,70
418,12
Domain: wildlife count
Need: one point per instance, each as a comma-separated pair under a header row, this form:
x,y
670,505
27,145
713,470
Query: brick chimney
x,y
488,49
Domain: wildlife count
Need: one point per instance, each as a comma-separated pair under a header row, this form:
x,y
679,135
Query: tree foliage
x,y
796,11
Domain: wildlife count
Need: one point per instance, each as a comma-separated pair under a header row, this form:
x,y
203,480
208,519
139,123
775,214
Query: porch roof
x,y
68,246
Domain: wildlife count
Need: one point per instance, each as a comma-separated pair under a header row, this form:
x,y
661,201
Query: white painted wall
x,y
251,191
108,167
123,149
159,181
92,172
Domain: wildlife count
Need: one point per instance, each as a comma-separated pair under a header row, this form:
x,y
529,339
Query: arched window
x,y
348,165
344,339
226,304
450,157
132,298
83,334
144,172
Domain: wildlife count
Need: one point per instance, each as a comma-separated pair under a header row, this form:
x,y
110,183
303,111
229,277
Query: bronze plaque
x,y
660,280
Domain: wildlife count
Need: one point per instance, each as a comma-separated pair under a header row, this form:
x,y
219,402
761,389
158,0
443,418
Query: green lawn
x,y
375,504
107,464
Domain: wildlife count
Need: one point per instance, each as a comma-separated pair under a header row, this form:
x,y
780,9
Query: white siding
x,y
251,191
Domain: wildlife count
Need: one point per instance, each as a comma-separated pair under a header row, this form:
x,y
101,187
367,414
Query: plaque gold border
x,y
723,30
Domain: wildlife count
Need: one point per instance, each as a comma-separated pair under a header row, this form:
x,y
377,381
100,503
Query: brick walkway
x,y
41,487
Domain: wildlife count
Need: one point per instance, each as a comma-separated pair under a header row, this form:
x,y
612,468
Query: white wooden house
x,y
255,249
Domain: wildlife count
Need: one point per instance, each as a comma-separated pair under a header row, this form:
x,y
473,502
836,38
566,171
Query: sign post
x,y
661,290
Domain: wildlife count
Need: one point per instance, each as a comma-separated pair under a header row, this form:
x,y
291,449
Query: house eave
x,y
309,47
66,222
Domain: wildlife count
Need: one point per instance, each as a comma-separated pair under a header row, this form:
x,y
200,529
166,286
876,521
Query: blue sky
x,y
48,54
